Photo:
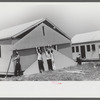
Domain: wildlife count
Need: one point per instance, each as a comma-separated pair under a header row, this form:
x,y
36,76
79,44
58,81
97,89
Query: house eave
x,y
57,29
54,27
86,42
6,38
36,24
42,21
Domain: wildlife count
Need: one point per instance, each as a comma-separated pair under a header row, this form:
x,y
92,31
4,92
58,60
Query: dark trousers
x,y
79,62
49,64
17,69
41,67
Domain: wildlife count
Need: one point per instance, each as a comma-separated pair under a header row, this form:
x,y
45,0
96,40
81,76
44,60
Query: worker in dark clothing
x,y
79,61
17,65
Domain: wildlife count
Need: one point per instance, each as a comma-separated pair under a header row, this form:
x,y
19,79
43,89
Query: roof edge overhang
x,y
38,23
86,42
35,25
8,38
55,28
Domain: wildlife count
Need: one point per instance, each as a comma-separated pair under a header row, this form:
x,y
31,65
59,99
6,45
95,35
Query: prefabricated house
x,y
25,38
87,45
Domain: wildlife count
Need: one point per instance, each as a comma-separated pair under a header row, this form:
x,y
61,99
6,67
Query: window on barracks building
x,y
88,47
77,49
73,50
93,47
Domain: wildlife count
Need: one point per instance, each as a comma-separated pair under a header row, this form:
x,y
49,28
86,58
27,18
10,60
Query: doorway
x,y
82,51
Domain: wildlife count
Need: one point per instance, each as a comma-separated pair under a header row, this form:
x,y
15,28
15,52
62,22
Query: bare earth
x,y
85,72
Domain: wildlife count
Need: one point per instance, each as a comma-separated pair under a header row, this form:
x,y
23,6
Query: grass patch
x,y
85,72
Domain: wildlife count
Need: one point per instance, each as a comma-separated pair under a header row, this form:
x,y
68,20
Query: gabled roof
x,y
36,38
15,31
86,37
10,32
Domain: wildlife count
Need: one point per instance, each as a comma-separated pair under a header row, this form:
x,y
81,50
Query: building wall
x,y
65,49
27,57
89,54
6,53
15,40
6,42
36,38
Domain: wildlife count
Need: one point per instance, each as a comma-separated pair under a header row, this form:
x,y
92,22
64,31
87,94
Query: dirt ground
x,y
84,72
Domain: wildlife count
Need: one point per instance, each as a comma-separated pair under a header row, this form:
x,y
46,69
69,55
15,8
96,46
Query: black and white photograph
x,y
49,41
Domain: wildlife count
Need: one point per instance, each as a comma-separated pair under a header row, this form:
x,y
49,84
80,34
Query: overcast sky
x,y
72,18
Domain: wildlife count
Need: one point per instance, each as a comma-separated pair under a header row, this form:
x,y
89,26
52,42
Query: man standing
x,y
40,60
48,57
17,65
79,61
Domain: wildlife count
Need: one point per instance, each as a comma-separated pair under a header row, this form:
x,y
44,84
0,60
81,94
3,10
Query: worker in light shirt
x,y
48,57
40,60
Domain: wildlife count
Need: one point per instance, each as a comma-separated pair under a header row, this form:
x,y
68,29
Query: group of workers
x,y
49,56
48,50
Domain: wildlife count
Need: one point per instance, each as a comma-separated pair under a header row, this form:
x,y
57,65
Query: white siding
x,y
75,54
27,57
36,38
65,49
89,54
5,58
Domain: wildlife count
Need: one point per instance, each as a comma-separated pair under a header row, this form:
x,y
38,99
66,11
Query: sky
x,y
72,18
